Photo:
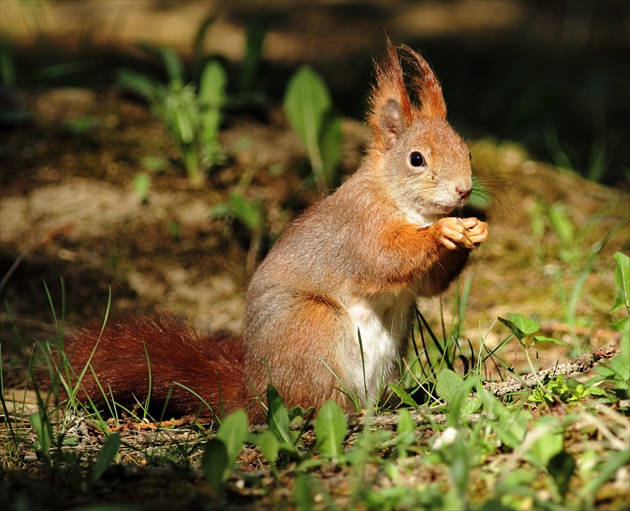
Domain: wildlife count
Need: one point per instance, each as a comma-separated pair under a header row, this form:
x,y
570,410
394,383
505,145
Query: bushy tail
x,y
160,361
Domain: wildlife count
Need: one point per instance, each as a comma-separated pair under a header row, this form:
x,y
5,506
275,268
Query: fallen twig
x,y
579,364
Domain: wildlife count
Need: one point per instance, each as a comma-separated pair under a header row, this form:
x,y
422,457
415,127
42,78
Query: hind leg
x,y
300,353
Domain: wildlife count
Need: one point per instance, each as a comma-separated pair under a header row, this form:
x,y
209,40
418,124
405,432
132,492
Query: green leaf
x,y
269,446
106,456
606,472
233,433
212,97
542,338
215,463
138,83
256,33
595,391
622,281
520,326
463,404
621,366
623,325
331,429
306,102
448,382
43,429
173,65
510,426
245,211
405,422
141,185
303,492
562,225
185,122
278,417
406,431
403,395
549,444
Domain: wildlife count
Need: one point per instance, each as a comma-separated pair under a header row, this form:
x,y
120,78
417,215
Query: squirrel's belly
x,y
382,323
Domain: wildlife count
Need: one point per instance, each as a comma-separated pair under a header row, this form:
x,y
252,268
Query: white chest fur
x,y
383,324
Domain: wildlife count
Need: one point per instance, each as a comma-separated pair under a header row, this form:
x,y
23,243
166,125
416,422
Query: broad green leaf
x,y
331,429
106,456
306,102
520,326
448,382
460,465
222,451
278,417
233,432
460,405
622,281
269,446
215,464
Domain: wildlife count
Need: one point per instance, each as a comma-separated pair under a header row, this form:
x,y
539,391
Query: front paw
x,y
476,231
458,233
452,233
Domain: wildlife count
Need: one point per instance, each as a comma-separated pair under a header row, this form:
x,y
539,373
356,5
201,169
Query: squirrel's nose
x,y
464,189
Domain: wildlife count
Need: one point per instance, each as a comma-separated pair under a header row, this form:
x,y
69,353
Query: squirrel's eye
x,y
417,159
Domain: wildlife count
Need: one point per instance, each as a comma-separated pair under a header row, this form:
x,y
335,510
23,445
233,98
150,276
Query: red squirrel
x,y
344,277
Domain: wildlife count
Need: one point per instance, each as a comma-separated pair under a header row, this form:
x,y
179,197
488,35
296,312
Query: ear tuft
x,y
390,107
426,85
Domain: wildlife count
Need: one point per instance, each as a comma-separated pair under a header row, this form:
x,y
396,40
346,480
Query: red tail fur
x,y
157,358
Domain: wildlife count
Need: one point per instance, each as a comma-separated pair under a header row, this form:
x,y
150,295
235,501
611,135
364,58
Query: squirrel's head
x,y
425,163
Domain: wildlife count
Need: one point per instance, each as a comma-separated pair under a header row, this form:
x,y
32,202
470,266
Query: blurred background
x,y
552,76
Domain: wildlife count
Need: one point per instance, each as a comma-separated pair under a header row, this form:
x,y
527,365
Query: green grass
x,y
561,444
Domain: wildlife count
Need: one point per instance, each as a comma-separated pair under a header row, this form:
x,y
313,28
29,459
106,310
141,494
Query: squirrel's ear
x,y
391,122
427,87
390,106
